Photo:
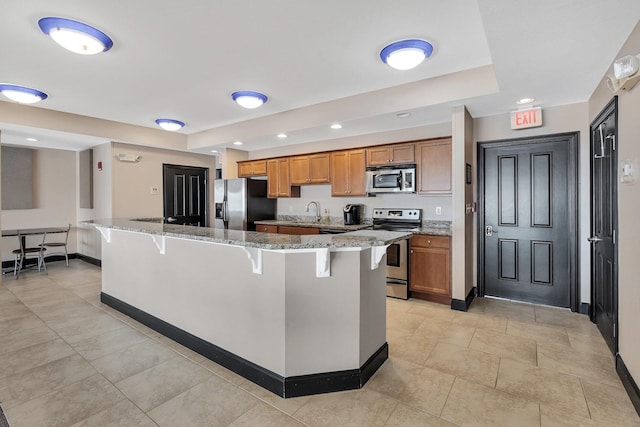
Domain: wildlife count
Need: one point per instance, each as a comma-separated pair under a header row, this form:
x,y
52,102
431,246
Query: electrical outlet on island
x,y
438,210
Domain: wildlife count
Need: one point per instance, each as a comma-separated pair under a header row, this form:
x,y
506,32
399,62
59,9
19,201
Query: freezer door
x,y
219,203
237,204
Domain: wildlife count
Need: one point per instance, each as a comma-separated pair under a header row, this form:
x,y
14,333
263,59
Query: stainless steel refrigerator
x,y
241,201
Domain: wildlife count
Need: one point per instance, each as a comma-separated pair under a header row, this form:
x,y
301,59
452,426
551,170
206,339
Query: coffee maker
x,y
352,214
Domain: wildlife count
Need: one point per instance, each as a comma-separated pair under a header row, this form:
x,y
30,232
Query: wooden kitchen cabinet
x,y
396,154
252,168
348,173
434,166
310,169
266,228
430,268
283,229
278,179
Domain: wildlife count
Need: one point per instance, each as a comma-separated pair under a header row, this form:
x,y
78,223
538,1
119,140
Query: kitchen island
x,y
297,315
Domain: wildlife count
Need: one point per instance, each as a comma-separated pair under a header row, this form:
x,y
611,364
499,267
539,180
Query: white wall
x,y
54,197
628,207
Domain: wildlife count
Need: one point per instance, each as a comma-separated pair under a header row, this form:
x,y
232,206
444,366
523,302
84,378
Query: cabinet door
x,y
434,167
318,167
244,169
430,271
284,180
299,170
283,229
403,153
259,167
266,228
339,173
272,178
357,173
377,156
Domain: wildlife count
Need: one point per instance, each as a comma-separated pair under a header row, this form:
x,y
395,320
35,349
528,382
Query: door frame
x,y
206,187
572,139
611,107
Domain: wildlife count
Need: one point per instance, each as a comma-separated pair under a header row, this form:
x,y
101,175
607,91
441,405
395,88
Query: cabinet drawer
x,y
427,241
267,228
283,229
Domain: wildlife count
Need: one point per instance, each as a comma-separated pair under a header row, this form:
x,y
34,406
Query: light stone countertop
x,y
253,239
322,224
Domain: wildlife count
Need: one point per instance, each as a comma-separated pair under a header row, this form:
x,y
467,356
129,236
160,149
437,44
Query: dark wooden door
x,y
528,221
604,200
185,195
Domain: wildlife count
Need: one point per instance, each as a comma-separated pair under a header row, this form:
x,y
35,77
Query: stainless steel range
x,y
397,253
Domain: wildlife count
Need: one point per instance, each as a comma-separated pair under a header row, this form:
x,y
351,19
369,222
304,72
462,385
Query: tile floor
x,y
68,360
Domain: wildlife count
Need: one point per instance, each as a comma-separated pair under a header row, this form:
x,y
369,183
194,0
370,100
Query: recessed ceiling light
x,y
237,143
249,99
170,124
406,54
214,151
75,36
22,94
282,135
525,101
403,114
32,139
336,126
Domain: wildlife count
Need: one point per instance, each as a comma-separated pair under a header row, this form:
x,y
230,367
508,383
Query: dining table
x,y
24,232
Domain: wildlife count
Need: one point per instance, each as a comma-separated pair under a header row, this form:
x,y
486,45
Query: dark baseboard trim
x,y
585,308
628,382
303,385
90,260
460,305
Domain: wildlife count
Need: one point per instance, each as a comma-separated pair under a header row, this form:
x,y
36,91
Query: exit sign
x,y
523,119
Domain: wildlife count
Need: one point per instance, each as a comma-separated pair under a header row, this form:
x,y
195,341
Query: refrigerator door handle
x,y
225,211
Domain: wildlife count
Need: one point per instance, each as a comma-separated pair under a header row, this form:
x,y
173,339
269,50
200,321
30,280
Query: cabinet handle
x,y
411,250
429,241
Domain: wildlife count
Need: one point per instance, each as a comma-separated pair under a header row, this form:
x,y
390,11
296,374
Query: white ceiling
x,y
182,60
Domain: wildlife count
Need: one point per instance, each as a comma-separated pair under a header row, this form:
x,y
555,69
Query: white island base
x,y
284,328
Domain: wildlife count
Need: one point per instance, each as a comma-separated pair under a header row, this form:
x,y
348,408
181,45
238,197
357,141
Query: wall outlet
x,y
154,191
438,210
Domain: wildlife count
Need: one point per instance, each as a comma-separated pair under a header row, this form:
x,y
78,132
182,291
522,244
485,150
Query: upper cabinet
x,y
310,169
252,168
395,154
279,180
434,166
348,173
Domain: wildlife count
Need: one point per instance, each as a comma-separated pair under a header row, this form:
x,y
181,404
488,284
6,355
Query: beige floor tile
x,y
481,321
347,409
539,332
22,323
405,416
404,321
16,361
132,360
27,385
75,330
560,391
25,338
156,385
575,322
414,385
412,348
586,365
445,331
100,345
394,304
67,405
214,402
503,345
471,404
289,406
473,365
265,416
432,311
510,309
551,417
122,414
610,404
594,344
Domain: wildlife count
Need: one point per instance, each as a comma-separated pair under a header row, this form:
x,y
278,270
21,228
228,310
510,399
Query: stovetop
x,y
398,219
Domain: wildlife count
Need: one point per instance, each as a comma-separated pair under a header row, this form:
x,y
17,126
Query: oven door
x,y
397,270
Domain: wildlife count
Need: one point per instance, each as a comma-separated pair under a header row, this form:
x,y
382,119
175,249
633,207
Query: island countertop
x,y
252,239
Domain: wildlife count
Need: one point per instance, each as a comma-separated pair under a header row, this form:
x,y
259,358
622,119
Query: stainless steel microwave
x,y
400,180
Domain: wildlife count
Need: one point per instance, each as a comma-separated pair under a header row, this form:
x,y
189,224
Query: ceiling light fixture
x,y
525,101
170,124
75,36
282,135
237,143
214,151
336,126
406,54
249,99
32,139
22,94
403,114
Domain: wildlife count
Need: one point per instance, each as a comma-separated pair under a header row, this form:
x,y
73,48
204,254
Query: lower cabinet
x,y
283,229
267,228
430,268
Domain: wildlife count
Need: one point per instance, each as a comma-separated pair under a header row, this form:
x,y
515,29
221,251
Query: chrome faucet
x,y
317,209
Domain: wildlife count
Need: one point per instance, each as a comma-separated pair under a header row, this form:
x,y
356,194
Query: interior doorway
x,y
528,219
185,195
604,223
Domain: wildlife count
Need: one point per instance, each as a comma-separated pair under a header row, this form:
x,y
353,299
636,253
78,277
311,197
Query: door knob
x,y
594,239
170,219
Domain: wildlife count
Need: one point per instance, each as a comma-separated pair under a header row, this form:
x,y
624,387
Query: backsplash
x,y
296,207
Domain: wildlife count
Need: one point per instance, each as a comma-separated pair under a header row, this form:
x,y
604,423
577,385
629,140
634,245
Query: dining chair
x,y
58,244
28,252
